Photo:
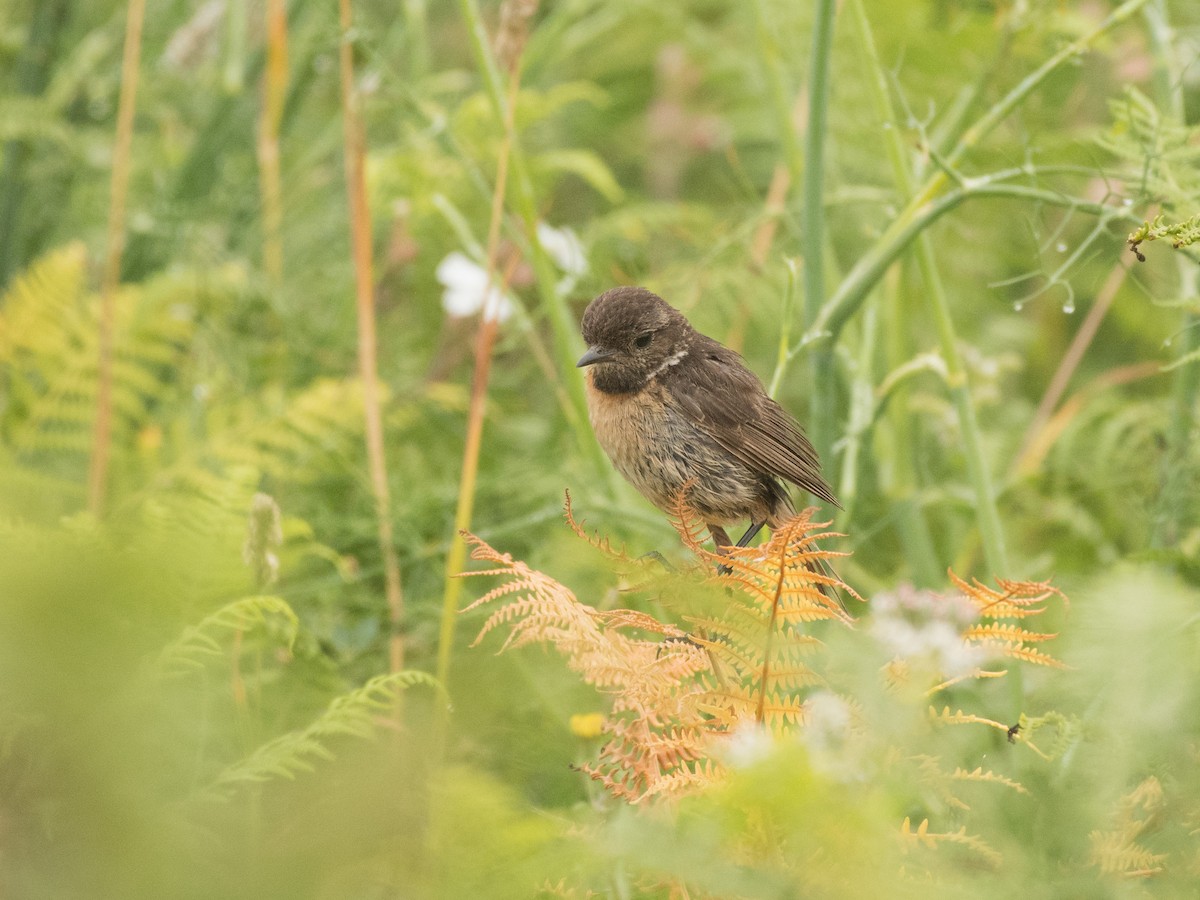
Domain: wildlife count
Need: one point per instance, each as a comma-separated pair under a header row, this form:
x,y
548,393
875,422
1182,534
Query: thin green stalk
x,y
913,528
567,342
769,49
912,525
416,21
233,72
821,369
33,69
903,230
1174,496
785,329
862,411
987,512
927,202
484,342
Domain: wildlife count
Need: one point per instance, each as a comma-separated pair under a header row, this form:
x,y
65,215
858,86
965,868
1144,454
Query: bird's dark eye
x,y
643,340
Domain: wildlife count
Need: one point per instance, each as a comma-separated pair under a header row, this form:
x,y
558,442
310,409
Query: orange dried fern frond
x,y
1014,600
748,660
991,624
774,590
602,544
655,730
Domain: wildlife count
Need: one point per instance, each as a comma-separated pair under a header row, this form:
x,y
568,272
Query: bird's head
x,y
632,336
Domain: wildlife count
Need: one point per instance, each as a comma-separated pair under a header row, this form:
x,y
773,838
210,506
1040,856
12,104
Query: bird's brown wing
x,y
725,399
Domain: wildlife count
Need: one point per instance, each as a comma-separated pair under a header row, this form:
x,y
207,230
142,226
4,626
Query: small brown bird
x,y
672,407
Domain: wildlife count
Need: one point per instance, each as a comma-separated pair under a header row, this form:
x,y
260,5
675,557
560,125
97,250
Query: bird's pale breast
x,y
659,452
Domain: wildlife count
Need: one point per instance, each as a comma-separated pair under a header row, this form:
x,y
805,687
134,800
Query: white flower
x,y
917,624
565,249
749,744
468,291
828,735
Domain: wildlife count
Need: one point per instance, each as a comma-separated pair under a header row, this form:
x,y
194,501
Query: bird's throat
x,y
610,378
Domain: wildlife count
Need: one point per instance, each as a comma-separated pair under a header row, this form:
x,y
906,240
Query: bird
x,y
677,411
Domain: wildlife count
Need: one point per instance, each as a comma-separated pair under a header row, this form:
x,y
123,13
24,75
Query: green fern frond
x,y
1154,144
350,715
49,351
295,445
40,312
201,642
1066,730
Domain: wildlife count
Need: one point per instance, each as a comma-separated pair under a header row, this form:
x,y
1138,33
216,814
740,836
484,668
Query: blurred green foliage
x,y
175,724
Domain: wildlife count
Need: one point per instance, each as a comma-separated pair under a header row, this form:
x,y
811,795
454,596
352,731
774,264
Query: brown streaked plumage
x,y
671,406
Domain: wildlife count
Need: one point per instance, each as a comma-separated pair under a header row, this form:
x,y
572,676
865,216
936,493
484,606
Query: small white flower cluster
x,y
468,292
826,737
920,625
749,744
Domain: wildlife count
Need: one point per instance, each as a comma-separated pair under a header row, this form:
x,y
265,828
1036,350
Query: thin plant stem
x,y
364,281
1071,360
119,191
913,528
32,72
1174,497
986,510
785,329
485,340
821,368
274,93
785,124
1046,436
567,342
764,234
233,72
862,409
416,23
857,284
928,202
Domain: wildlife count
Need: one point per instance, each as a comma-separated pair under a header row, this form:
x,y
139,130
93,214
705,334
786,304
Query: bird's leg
x,y
722,543
720,537
754,529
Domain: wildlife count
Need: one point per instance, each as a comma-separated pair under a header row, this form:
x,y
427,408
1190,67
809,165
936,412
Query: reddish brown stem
x,y
119,191
360,233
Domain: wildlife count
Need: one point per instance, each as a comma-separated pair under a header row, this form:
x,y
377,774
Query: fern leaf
x,y
980,774
922,836
1031,655
350,715
945,717
1005,633
199,642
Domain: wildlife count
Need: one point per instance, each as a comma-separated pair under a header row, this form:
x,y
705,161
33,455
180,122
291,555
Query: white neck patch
x,y
672,360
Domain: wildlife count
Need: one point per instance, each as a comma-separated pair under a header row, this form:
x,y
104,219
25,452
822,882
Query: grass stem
x,y
822,374
119,191
354,143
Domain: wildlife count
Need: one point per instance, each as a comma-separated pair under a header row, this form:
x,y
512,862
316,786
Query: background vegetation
x,y
230,649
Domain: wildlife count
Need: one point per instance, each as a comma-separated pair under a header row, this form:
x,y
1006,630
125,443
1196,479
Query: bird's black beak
x,y
594,355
